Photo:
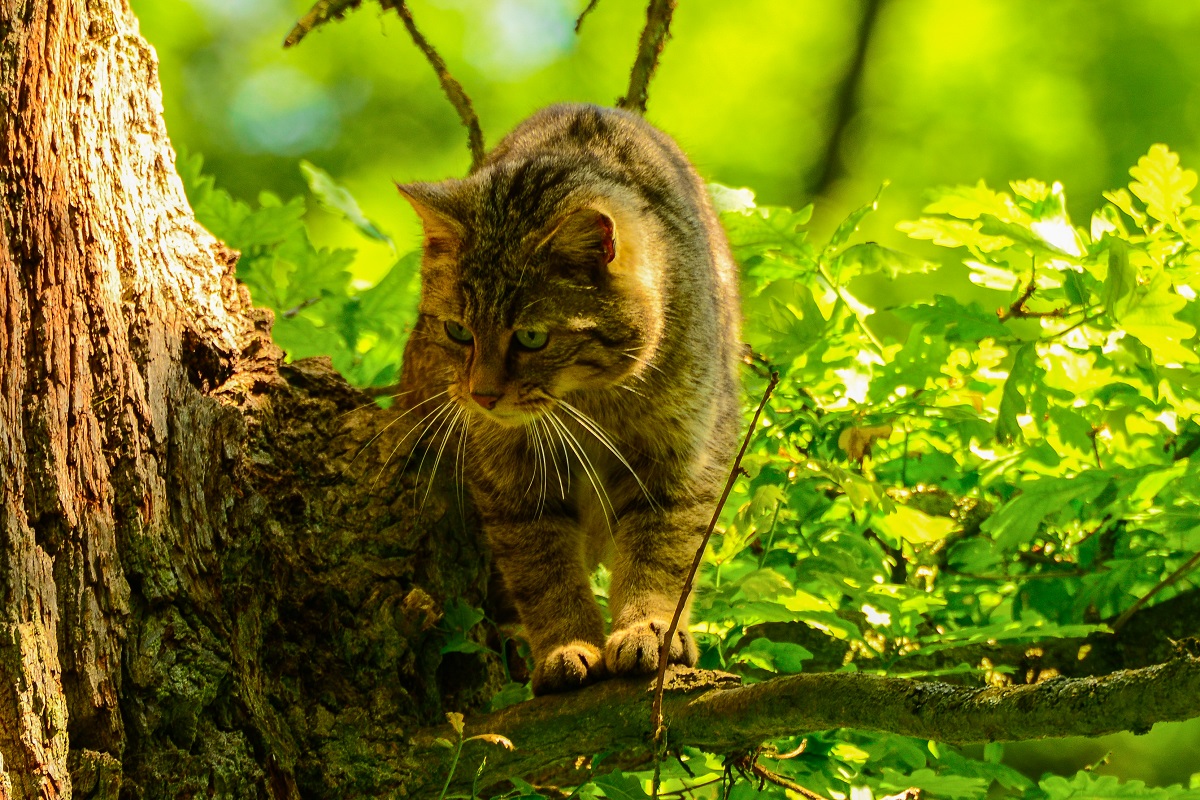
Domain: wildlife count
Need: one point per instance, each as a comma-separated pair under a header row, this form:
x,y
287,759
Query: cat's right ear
x,y
443,233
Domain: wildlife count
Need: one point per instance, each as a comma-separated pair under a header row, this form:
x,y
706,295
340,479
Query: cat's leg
x,y
654,553
544,570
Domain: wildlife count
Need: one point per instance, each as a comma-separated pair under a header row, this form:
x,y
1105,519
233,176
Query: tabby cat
x,y
579,320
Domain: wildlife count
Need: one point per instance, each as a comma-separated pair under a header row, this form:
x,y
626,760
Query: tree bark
x,y
202,590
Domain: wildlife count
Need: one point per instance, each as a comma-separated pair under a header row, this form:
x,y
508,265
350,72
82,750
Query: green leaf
x,y
510,695
952,786
783,657
868,258
973,202
1121,277
1162,184
851,223
905,523
1089,786
1151,317
458,619
618,786
1017,521
953,233
1024,376
337,198
954,321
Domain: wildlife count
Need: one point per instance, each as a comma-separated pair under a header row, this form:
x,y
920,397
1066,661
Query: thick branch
x,y
650,47
708,710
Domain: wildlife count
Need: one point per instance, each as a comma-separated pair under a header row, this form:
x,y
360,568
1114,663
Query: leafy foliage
x,y
318,309
1014,475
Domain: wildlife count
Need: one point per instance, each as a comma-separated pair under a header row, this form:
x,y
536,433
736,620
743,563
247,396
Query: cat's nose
x,y
488,401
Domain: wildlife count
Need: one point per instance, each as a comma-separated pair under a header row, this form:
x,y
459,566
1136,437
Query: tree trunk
x,y
202,589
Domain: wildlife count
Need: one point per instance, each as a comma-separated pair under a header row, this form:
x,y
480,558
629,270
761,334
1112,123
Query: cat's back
x,y
610,143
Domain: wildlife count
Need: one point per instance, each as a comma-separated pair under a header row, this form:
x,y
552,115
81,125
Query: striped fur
x,y
588,234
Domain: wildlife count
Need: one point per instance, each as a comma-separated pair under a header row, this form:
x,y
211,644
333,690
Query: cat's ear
x,y
443,233
585,239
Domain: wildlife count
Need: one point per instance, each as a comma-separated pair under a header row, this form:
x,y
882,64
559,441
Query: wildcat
x,y
579,318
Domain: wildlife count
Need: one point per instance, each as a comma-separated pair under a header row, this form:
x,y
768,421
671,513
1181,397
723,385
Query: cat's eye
x,y
532,340
458,333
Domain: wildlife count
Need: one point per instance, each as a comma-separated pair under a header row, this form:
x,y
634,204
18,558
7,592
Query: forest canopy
x,y
972,260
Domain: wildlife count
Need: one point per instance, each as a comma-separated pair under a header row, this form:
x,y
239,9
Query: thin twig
x,y
1164,583
656,716
318,15
591,6
453,89
650,47
750,764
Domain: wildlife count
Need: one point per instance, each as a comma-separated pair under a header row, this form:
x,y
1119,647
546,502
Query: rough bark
x,y
202,590
710,711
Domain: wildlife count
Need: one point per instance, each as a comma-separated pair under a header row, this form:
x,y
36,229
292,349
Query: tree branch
x,y
591,6
453,89
650,47
656,720
318,15
326,10
710,711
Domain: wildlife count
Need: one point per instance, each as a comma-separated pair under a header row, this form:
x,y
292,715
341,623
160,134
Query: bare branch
x,y
591,6
710,711
453,89
326,10
656,718
650,47
1164,583
322,12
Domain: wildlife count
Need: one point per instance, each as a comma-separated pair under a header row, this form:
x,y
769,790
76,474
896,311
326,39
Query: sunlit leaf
x,y
1162,184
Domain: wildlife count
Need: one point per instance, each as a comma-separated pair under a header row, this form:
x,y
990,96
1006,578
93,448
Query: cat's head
x,y
534,288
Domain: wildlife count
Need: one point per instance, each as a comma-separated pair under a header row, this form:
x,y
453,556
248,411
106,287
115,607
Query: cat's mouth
x,y
506,411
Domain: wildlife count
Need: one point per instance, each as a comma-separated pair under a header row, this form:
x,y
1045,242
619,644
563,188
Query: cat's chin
x,y
513,419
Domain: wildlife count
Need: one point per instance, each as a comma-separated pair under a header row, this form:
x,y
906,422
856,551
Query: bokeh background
x,y
802,101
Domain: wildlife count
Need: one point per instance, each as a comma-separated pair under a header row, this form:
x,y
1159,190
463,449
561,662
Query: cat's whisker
x,y
461,464
433,473
530,445
629,354
404,438
562,490
436,414
375,398
602,436
589,469
543,446
371,441
442,421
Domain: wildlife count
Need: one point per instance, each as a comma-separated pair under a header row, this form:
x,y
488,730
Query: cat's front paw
x,y
568,667
634,650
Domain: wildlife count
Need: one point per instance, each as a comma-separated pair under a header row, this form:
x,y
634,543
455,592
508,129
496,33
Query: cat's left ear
x,y
585,239
431,201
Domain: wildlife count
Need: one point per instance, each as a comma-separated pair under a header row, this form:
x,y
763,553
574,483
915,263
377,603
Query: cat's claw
x,y
568,667
634,650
